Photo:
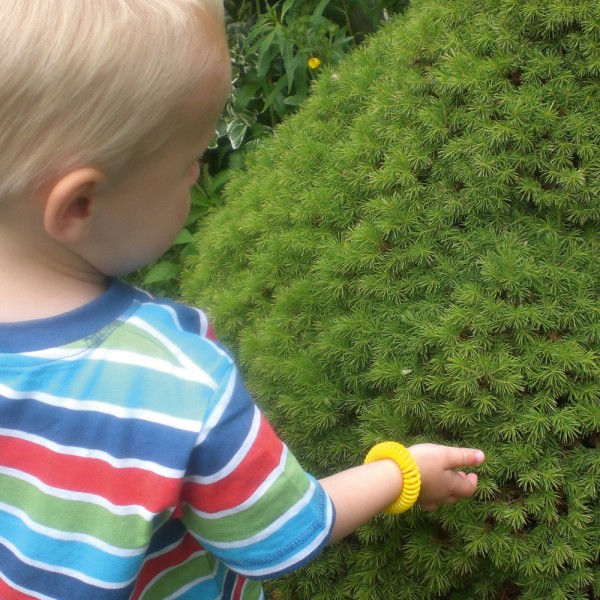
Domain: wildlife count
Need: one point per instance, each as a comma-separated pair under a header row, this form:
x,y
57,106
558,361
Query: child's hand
x,y
440,483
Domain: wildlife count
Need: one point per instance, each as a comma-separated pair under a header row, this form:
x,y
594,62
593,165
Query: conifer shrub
x,y
415,256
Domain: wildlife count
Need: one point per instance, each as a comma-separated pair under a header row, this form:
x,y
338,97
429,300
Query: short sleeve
x,y
245,497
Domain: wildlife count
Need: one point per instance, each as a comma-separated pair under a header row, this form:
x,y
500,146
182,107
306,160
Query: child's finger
x,y
465,485
464,457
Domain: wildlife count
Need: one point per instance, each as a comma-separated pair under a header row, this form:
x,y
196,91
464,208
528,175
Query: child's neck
x,y
38,289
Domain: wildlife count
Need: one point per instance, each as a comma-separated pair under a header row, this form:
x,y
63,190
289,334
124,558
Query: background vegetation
x,y
415,256
277,50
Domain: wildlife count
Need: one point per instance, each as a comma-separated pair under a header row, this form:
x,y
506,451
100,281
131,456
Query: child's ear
x,y
71,203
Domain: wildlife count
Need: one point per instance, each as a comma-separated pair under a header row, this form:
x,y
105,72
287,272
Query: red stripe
x,y
160,564
239,587
210,334
263,457
8,593
123,487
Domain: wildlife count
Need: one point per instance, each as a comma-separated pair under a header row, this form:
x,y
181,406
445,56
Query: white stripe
x,y
256,496
117,463
101,407
203,329
164,550
67,536
273,527
217,412
237,458
293,560
65,570
172,313
149,296
56,353
203,322
24,590
186,372
73,496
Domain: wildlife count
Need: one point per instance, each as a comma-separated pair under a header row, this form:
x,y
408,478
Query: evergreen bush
x,y
416,256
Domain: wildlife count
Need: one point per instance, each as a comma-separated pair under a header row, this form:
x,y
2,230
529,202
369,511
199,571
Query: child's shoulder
x,y
174,314
168,330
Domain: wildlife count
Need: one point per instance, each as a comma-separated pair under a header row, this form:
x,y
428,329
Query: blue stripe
x,y
120,438
229,584
55,585
288,542
172,532
73,554
129,387
224,441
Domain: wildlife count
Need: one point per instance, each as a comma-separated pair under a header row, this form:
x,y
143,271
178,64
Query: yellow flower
x,y
314,62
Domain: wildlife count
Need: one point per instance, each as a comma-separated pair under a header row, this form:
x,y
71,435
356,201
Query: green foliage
x,y
271,46
415,256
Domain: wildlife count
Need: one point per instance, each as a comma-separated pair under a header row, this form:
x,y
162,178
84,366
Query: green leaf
x,y
296,100
289,64
275,92
321,7
236,133
219,180
266,53
245,94
287,5
184,237
161,271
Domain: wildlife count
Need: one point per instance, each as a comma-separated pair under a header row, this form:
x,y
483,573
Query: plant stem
x,y
348,21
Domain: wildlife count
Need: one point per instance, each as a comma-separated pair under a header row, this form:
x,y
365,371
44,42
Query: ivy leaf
x,y
236,133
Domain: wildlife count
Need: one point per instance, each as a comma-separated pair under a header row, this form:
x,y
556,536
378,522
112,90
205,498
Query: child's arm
x,y
360,493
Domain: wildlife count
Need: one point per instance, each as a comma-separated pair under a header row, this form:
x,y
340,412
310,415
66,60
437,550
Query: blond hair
x,y
93,82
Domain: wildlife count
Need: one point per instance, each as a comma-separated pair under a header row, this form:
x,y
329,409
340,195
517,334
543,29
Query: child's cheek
x,y
194,173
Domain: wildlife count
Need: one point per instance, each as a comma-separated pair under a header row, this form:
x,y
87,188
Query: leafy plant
x,y
415,256
277,51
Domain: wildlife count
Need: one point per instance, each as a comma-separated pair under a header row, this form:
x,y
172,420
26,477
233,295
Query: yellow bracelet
x,y
410,474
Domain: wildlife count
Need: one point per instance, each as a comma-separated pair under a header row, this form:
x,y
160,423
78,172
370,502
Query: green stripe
x,y
73,516
133,338
278,499
252,591
182,575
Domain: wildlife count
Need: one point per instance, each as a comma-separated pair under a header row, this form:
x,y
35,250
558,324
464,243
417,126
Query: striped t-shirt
x,y
134,464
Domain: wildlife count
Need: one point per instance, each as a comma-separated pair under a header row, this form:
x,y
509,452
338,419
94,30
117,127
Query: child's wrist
x,y
411,479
